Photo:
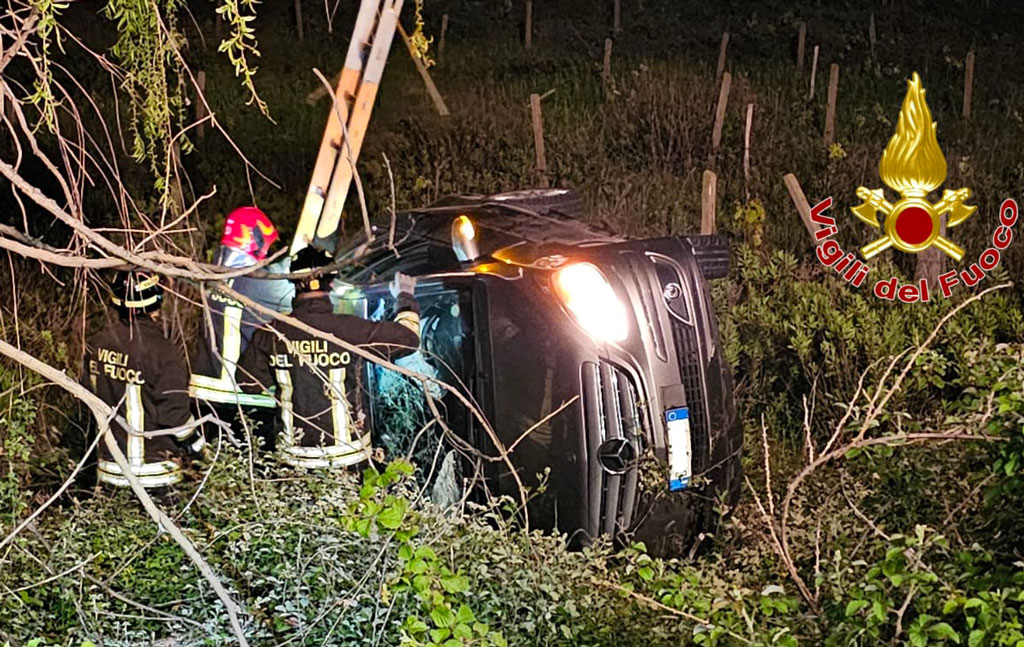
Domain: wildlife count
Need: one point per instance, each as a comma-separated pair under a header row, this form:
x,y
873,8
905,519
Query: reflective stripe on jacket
x,y
132,367
318,384
227,331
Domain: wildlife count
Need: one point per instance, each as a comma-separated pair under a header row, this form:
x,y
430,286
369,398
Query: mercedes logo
x,y
616,455
672,291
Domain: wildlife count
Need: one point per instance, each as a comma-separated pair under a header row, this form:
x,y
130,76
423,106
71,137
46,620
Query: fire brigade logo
x,y
913,165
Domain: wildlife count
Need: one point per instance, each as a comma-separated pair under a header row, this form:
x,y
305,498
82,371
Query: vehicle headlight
x,y
587,294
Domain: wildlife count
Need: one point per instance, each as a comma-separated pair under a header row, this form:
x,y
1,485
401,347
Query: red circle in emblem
x,y
914,225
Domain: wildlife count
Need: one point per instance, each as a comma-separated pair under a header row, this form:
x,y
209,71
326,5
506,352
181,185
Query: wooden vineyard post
x,y
440,42
746,149
932,261
873,38
721,55
177,193
814,71
802,206
616,16
723,101
298,18
201,104
801,42
708,200
428,81
528,34
968,83
537,118
830,112
606,67
871,35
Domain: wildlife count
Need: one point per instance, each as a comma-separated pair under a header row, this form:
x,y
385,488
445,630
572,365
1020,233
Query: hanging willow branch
x,y
151,76
241,44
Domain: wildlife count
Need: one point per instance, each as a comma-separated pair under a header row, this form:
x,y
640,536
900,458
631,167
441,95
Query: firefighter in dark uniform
x,y
317,384
227,326
136,370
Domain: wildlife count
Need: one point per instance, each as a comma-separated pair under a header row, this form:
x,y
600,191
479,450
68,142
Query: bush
x,y
794,332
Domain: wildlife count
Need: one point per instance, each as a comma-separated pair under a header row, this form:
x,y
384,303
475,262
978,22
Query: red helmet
x,y
248,229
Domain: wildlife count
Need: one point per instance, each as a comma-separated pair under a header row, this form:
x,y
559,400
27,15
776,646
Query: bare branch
x,y
101,412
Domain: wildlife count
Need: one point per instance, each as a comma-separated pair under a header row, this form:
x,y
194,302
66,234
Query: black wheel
x,y
563,201
712,254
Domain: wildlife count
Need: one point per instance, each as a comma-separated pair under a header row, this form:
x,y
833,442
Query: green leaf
x,y
415,626
455,583
392,516
942,631
417,566
442,617
465,614
853,606
426,553
878,609
976,638
462,631
437,635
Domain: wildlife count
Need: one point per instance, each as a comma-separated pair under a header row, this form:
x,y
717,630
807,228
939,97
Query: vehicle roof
x,y
502,225
512,220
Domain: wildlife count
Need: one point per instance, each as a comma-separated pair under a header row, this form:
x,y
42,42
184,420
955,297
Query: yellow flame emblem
x,y
913,165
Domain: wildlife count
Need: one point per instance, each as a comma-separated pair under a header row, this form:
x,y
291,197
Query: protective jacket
x,y
228,329
132,367
318,384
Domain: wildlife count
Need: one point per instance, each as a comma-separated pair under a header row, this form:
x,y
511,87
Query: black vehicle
x,y
530,310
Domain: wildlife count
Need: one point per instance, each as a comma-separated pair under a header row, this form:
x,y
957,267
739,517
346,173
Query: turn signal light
x,y
464,239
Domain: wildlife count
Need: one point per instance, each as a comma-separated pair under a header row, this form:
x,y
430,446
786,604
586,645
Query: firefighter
x,y
229,325
135,369
317,383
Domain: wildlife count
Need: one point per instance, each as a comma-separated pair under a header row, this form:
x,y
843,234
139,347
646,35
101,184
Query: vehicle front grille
x,y
611,410
688,352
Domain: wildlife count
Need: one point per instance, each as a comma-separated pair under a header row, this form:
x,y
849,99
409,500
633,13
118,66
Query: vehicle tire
x,y
712,254
566,202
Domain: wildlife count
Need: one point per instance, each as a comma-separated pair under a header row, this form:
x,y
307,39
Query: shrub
x,y
795,332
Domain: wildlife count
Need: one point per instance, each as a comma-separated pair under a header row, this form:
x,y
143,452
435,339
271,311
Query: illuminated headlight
x,y
587,294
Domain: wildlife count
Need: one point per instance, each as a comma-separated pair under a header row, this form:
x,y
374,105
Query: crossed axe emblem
x,y
912,224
